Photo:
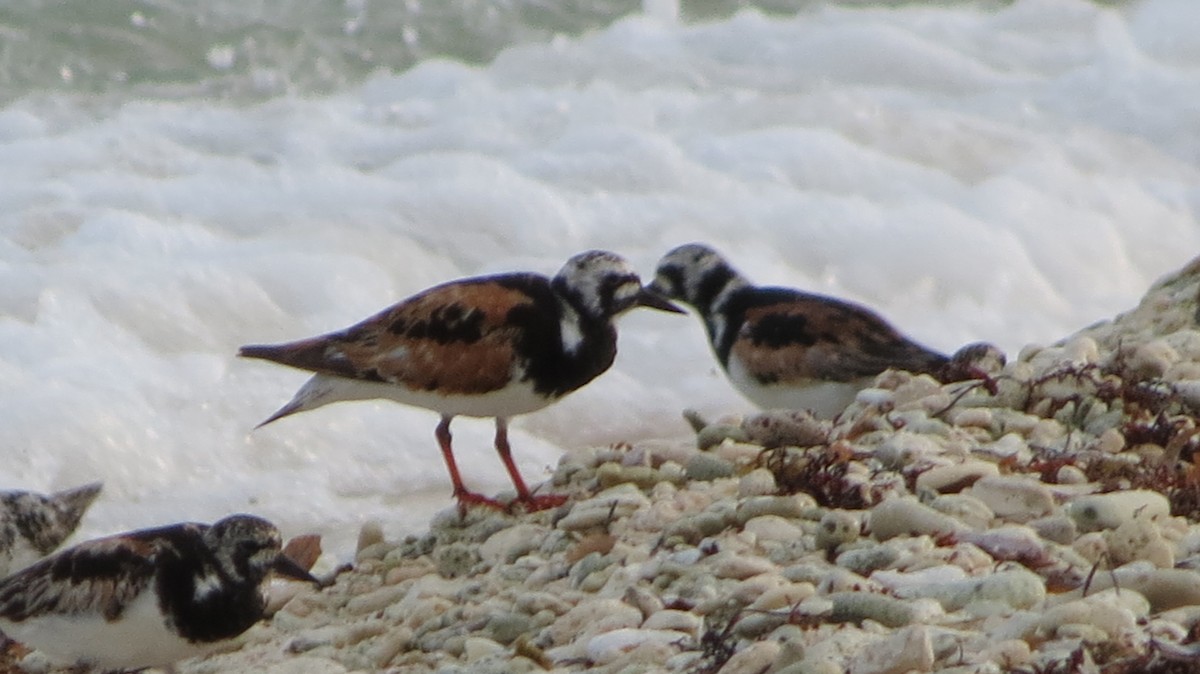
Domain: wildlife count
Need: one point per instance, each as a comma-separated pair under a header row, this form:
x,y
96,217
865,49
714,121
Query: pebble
x,y
707,467
753,659
758,482
906,650
955,477
788,507
837,527
1016,588
1013,496
772,528
1165,589
786,428
900,516
609,646
855,607
675,620
609,505
592,617
1109,511
783,597
1111,612
1139,539
964,508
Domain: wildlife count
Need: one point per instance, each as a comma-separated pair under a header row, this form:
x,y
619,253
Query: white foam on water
x,y
1007,175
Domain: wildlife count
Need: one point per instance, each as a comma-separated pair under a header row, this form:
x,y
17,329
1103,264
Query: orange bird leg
x,y
464,496
541,502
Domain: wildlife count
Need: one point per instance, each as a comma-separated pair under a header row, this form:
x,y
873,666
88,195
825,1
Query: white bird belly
x,y
826,399
138,639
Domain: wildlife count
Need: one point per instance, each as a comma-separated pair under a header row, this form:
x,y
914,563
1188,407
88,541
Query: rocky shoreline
x,y
1044,520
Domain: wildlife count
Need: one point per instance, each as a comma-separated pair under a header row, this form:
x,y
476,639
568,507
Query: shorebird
x,y
489,346
146,598
33,525
784,348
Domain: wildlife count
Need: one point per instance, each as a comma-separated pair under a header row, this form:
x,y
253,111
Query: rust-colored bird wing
x,y
460,337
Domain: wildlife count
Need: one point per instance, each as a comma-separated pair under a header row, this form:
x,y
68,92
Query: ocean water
x,y
179,179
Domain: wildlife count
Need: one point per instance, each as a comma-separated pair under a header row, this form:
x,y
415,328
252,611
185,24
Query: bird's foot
x,y
543,501
467,499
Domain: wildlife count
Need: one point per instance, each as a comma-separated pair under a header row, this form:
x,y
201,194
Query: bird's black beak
x,y
288,568
649,297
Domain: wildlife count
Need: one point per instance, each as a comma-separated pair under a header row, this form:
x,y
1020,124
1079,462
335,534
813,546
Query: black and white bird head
x,y
248,548
602,285
696,275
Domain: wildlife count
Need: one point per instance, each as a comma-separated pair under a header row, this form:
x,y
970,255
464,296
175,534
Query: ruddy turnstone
x,y
783,348
490,346
33,525
146,598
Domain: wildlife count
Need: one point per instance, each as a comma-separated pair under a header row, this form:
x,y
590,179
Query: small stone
x,y
758,482
1015,588
1059,529
789,507
1109,511
783,597
1014,497
455,559
955,477
863,561
898,516
837,527
370,534
1165,589
855,607
786,428
604,508
753,659
1111,441
973,417
476,648
675,620
592,617
608,646
740,567
773,528
1152,359
505,628
707,467
1139,539
964,508
906,650
1106,611
508,544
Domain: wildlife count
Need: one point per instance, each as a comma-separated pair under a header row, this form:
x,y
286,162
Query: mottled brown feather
x,y
456,338
839,343
73,583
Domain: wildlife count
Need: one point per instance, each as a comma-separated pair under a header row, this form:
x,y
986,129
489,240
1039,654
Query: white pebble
x,y
1109,511
607,647
900,515
476,648
772,528
907,649
675,620
939,478
753,659
1014,496
758,482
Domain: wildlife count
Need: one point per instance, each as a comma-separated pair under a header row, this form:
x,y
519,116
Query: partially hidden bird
x,y
785,348
146,598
